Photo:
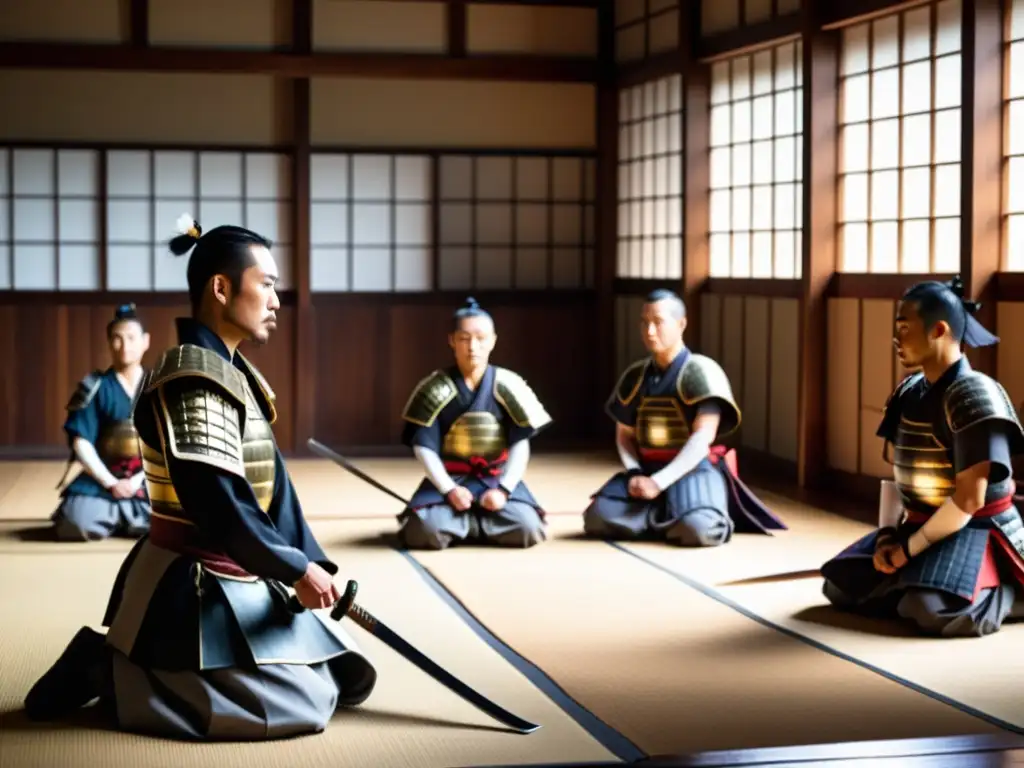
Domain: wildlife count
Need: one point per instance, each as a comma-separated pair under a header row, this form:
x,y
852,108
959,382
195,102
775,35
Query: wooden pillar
x,y
607,209
138,23
697,168
820,62
982,163
305,340
456,30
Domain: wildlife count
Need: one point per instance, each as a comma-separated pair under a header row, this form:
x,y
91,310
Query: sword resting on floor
x,y
346,606
322,450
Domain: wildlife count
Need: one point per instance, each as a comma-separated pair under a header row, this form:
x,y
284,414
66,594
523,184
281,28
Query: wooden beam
x,y
696,170
138,23
837,12
458,36
754,286
855,285
286,64
820,63
606,204
305,327
751,36
981,171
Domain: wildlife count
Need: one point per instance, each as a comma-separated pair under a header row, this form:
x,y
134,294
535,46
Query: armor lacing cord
x,y
945,521
435,470
86,453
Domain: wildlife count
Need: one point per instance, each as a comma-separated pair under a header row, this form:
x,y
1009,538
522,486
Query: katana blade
x,y
346,606
394,641
322,450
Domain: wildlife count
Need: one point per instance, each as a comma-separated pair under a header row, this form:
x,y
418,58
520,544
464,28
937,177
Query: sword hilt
x,y
341,608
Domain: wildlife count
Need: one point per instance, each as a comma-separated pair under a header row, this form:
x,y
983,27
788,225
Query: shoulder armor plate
x,y
199,422
268,396
429,398
974,398
190,361
700,379
85,391
519,400
630,381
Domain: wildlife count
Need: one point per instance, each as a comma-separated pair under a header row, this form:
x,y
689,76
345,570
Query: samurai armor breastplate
x,y
204,415
661,424
922,466
475,434
118,448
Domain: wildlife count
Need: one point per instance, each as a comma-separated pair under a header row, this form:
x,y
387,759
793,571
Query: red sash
x,y
717,454
477,466
180,537
988,573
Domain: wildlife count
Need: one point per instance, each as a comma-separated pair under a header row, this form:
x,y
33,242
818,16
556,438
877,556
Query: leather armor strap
x,y
477,466
180,537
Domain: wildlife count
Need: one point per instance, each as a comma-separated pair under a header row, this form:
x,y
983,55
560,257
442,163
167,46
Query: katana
x,y
346,606
322,450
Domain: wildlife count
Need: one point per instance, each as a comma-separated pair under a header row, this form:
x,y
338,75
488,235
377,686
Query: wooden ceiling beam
x,y
286,64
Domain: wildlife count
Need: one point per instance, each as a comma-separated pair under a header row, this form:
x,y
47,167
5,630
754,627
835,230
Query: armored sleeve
x,y
522,405
983,424
623,403
702,381
230,516
83,419
420,416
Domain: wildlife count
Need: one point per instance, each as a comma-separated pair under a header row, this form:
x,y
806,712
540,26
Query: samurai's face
x,y
473,342
915,343
661,325
128,343
252,308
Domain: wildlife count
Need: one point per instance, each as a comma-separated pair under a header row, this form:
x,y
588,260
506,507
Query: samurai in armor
x,y
202,643
669,410
947,555
108,497
470,426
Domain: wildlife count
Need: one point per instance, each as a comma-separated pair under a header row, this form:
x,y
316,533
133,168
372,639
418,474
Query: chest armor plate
x,y
477,433
660,424
257,454
922,469
118,442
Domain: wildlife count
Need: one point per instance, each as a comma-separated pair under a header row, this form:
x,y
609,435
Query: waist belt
x,y
477,466
181,537
991,509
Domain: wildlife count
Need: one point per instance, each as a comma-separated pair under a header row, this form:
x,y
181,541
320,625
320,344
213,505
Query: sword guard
x,y
344,604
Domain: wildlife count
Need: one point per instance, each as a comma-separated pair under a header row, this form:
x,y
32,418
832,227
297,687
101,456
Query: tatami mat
x,y
775,578
410,720
562,483
669,668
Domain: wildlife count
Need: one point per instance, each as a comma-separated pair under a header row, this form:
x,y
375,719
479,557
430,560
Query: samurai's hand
x,y
642,487
316,588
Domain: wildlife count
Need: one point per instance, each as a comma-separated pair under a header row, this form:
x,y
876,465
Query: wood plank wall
x,y
493,81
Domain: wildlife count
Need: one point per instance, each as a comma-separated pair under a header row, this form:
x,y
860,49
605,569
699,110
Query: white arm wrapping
x,y
515,467
696,449
435,469
890,505
137,480
86,453
945,521
624,444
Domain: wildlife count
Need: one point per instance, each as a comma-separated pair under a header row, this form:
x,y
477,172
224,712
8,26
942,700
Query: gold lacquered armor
x,y
429,397
921,467
660,424
661,421
475,434
519,400
215,418
118,441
